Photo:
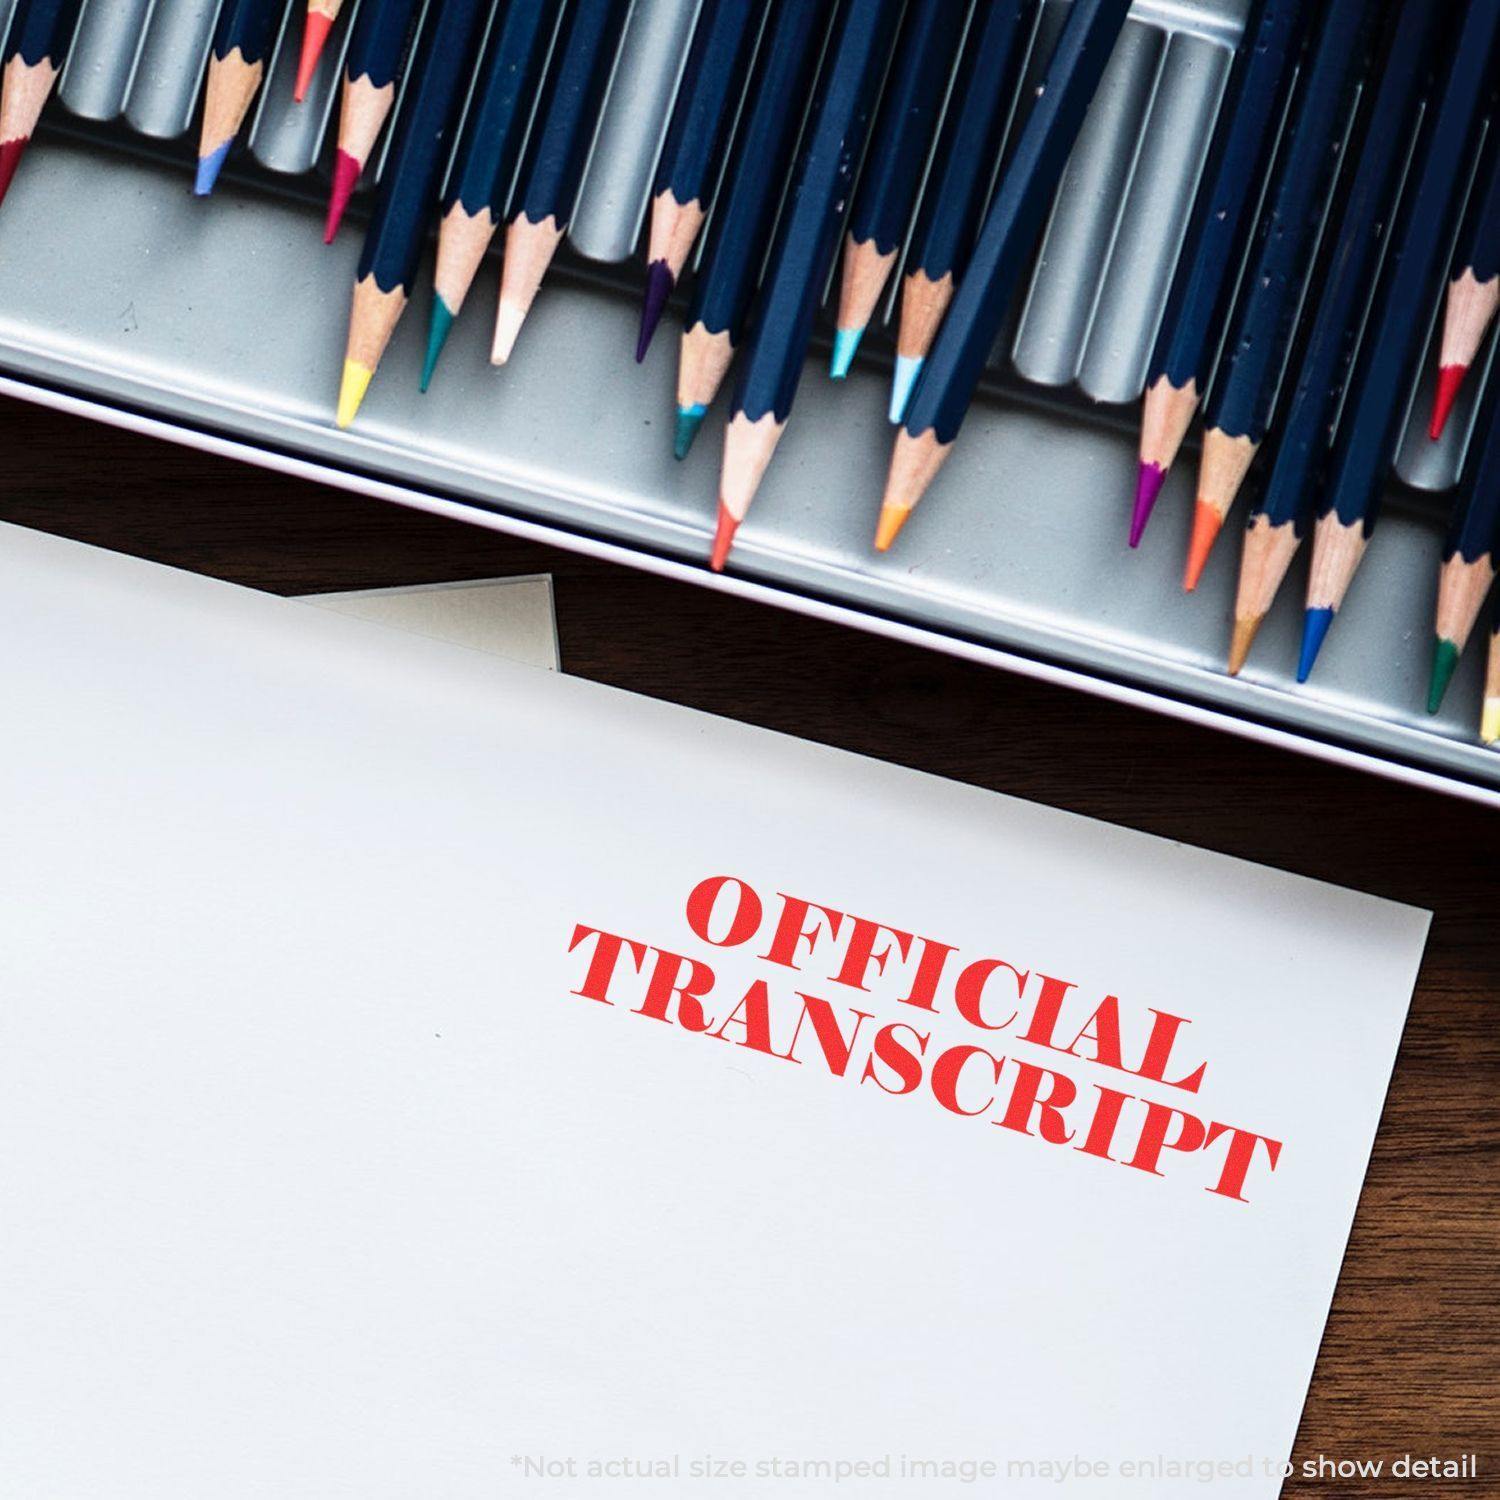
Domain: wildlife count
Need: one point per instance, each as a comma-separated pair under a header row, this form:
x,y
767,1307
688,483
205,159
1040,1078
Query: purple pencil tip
x,y
659,284
1148,482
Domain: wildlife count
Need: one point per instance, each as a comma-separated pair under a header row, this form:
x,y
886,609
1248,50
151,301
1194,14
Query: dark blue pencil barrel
x,y
558,149
378,40
807,240
424,133
968,145
1265,319
1386,362
1342,291
494,130
900,141
737,236
693,150
1013,224
41,31
1213,246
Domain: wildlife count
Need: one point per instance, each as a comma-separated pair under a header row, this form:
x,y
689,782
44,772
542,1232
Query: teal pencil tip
x,y
689,420
437,335
845,347
1444,661
1315,625
902,384
209,168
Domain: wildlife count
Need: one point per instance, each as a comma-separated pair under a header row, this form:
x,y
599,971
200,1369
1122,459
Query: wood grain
x,y
1411,1361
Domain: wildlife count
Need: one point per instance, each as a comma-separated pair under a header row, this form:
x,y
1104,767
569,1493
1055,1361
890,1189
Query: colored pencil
x,y
1265,320
36,46
1474,292
735,248
1370,426
321,14
694,147
1489,730
489,147
377,51
1244,140
553,167
408,187
1011,230
236,66
963,165
802,257
892,171
1468,567
1280,517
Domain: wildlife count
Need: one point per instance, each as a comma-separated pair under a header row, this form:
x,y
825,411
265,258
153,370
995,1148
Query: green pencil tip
x,y
1444,660
689,420
845,345
437,336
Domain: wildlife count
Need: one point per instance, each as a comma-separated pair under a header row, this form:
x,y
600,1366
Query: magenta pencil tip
x,y
346,170
659,284
1148,482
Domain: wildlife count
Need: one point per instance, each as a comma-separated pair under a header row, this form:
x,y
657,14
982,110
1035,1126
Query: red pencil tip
x,y
1450,381
723,539
10,158
314,35
345,179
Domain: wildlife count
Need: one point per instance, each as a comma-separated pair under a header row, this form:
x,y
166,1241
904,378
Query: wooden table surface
x,y
1411,1360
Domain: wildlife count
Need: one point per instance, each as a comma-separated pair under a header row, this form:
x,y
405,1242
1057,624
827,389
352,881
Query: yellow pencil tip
x,y
892,519
352,390
1241,642
1489,728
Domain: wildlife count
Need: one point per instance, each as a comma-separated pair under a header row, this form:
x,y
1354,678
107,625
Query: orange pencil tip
x,y
1449,382
892,519
723,539
314,37
1206,524
1240,644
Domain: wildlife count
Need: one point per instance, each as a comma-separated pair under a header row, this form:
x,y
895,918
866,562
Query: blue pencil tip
x,y
209,168
902,384
1315,625
437,336
689,420
845,347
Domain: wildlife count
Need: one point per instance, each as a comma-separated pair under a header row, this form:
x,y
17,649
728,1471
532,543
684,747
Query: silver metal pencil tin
x,y
222,322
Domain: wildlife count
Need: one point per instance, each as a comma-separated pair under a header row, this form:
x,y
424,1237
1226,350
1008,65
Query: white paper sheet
x,y
320,1180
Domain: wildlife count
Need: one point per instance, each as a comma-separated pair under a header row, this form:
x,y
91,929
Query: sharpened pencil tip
x,y
1449,382
346,172
1489,724
352,388
437,335
892,518
1206,524
508,321
659,284
1315,624
1444,662
11,153
723,538
209,168
314,35
689,420
1149,479
845,347
1241,642
903,382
